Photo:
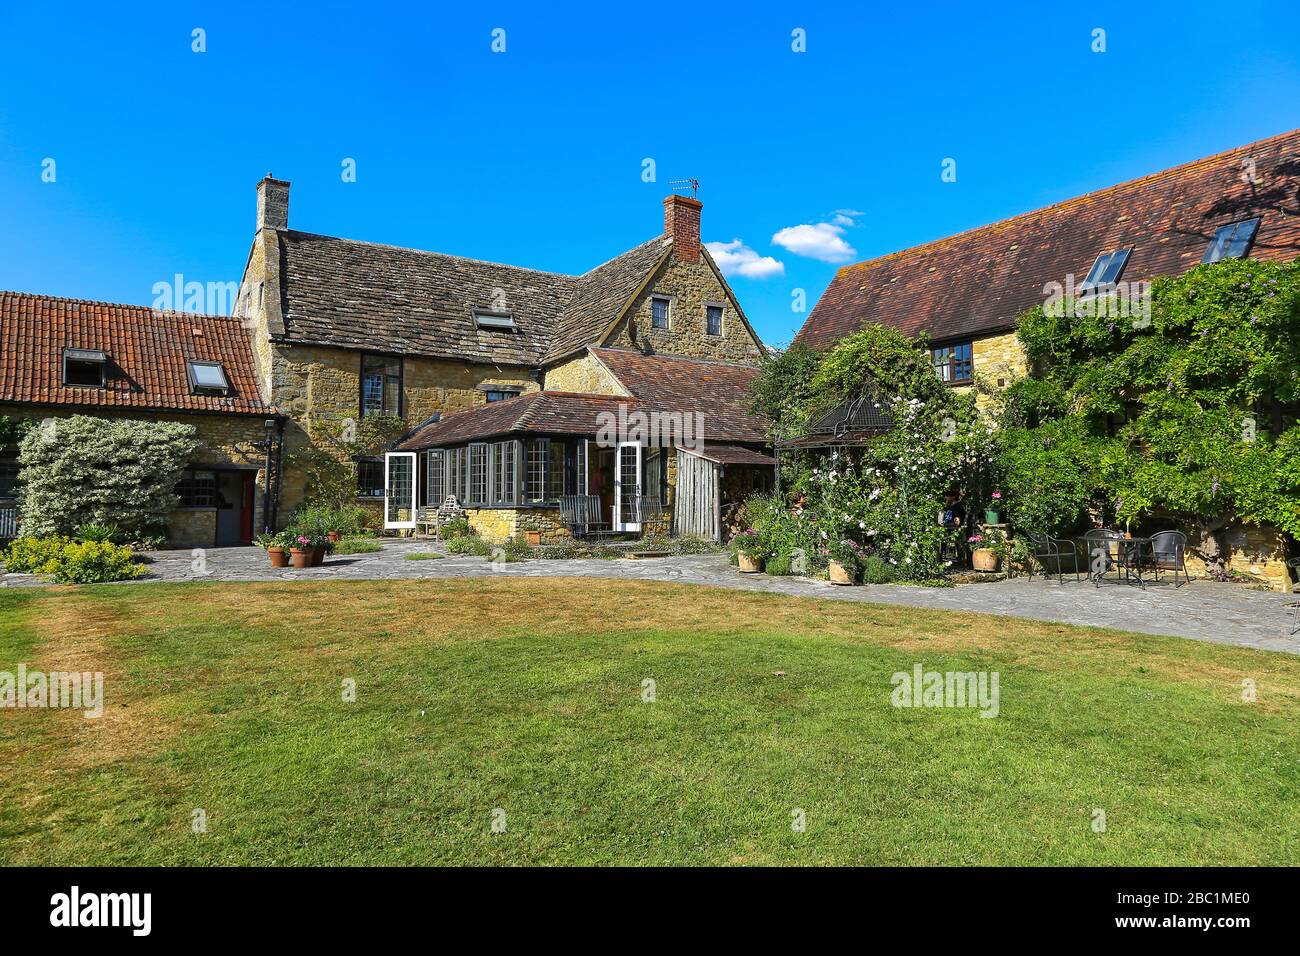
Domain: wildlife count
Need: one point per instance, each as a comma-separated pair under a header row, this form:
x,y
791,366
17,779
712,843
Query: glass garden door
x,y
627,486
399,490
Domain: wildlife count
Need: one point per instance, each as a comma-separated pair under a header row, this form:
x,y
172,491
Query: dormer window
x,y
208,378
495,321
1232,241
1105,272
84,367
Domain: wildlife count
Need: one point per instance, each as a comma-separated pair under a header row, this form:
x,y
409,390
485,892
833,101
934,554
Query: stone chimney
x,y
272,204
682,226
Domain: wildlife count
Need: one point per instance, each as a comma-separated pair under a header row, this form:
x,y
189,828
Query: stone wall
x,y
225,441
498,524
322,382
583,374
691,286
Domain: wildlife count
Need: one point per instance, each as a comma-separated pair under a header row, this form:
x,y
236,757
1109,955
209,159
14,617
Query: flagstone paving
x,y
1203,610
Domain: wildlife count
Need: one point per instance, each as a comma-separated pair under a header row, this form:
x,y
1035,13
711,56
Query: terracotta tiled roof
x,y
147,351
354,294
983,280
562,413
718,390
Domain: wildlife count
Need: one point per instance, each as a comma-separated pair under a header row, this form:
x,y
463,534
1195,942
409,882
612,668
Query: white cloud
x,y
823,241
736,258
846,217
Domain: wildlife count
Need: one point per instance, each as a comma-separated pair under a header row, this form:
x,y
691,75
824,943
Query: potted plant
x,y
986,549
749,552
273,545
845,560
993,511
302,552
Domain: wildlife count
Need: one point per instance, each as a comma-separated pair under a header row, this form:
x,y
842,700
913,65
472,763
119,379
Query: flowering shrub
x,y
84,470
33,555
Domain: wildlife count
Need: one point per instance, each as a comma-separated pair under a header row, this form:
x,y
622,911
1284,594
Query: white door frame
x,y
619,524
388,487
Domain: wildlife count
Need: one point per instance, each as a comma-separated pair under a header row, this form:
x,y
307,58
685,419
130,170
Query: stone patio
x,y
1202,610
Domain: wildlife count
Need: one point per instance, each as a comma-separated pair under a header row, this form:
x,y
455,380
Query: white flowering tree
x,y
84,470
887,495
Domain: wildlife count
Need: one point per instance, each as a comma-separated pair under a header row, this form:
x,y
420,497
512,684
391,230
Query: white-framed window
x,y
661,308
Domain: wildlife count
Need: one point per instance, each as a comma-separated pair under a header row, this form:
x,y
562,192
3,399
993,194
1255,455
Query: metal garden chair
x,y
1045,548
1168,549
1102,549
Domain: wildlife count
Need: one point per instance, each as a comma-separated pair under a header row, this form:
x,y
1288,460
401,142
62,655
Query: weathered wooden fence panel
x,y
695,505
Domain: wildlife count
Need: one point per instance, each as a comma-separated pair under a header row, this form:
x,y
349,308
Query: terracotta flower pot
x,y
840,574
984,559
279,558
749,565
534,538
317,557
301,558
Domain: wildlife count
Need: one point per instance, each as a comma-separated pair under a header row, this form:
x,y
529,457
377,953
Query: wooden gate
x,y
695,505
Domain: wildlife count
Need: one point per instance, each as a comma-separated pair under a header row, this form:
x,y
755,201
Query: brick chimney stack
x,y
682,226
272,204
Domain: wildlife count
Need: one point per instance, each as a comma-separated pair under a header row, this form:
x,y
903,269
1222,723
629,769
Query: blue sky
x,y
535,156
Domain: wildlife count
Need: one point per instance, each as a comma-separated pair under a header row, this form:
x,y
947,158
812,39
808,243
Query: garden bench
x,y
581,513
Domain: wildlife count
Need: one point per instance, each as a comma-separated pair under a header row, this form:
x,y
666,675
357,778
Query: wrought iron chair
x,y
1044,548
1168,549
1103,549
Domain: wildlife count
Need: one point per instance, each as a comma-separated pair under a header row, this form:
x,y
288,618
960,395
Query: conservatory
x,y
542,465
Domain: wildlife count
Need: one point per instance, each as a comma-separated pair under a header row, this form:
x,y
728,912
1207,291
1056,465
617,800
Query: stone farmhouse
x,y
964,293
509,379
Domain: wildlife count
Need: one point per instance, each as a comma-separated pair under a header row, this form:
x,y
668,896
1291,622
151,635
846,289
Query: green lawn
x,y
525,695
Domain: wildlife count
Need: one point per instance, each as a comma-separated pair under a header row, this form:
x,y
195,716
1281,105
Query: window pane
x,y
504,463
659,313
478,474
9,479
714,314
81,372
208,375
1231,241
435,483
537,470
370,478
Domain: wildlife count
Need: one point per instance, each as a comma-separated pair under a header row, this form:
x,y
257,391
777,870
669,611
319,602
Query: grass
x,y
423,556
526,695
357,546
